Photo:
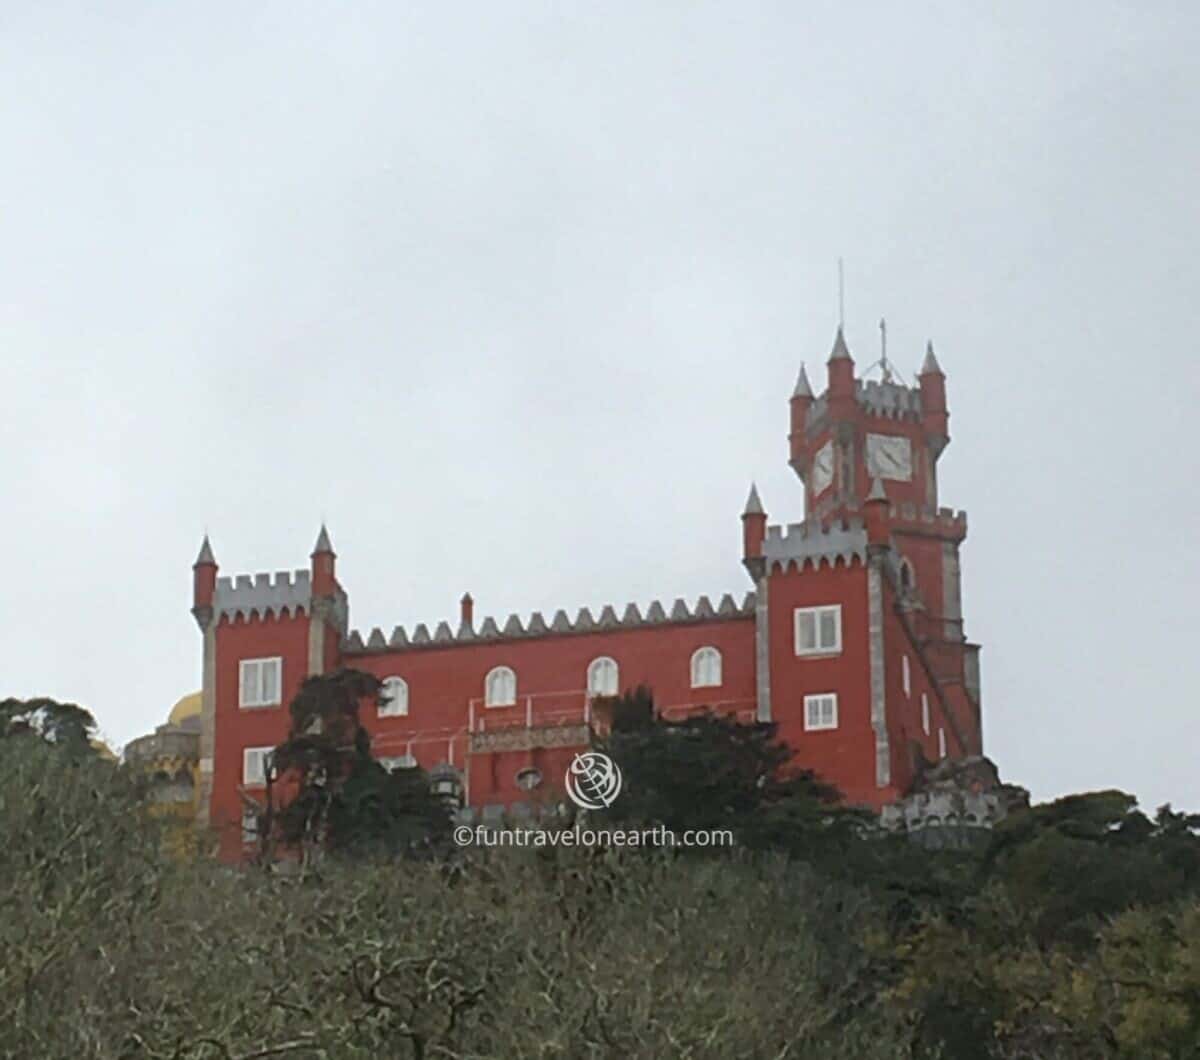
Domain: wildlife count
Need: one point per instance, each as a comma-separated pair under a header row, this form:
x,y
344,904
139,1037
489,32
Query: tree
x,y
65,724
326,792
713,772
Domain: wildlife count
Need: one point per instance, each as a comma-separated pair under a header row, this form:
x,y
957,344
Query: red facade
x,y
851,638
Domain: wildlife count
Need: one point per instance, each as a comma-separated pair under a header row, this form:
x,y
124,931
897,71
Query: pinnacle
x,y
323,544
930,366
803,389
206,554
840,349
753,503
877,491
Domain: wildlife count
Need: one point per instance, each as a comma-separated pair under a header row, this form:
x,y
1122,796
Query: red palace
x,y
850,638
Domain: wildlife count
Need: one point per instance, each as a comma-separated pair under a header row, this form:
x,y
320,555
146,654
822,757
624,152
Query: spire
x,y
930,365
840,349
323,546
753,503
206,555
803,390
877,491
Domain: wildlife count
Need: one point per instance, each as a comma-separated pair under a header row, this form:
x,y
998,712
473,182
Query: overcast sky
x,y
514,295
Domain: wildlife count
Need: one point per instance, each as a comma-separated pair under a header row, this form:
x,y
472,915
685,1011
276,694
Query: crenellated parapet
x,y
810,544
921,518
885,400
263,595
953,801
889,400
560,625
284,594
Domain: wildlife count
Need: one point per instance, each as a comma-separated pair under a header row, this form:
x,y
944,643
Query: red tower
x,y
852,640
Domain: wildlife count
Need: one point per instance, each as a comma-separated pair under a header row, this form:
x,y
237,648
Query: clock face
x,y
822,468
889,456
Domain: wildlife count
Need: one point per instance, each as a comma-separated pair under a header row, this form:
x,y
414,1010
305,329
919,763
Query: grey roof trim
x,y
802,543
323,544
514,629
803,387
889,400
930,365
263,595
206,554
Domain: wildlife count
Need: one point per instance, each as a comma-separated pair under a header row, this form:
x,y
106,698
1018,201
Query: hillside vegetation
x,y
1074,933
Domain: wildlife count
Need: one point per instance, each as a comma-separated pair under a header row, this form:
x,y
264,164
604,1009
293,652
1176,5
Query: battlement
x,y
263,594
561,624
889,400
925,517
800,543
886,400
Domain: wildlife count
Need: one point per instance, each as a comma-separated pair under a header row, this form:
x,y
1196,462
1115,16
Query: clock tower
x,y
877,549
859,431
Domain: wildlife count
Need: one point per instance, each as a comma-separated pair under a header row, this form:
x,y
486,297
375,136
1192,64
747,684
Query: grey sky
x,y
514,295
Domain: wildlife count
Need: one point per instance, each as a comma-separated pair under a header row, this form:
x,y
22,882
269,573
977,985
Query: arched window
x,y
500,688
393,699
602,677
706,668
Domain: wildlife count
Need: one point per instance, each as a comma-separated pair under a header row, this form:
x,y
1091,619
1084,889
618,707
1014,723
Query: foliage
x,y
66,724
711,772
108,949
1073,934
335,796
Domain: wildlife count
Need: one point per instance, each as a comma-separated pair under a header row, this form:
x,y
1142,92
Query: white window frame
x,y
816,614
397,706
925,712
906,675
258,700
259,780
941,743
601,665
490,696
707,658
815,700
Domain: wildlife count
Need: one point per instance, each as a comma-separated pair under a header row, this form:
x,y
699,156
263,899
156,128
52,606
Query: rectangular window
x,y
819,630
925,713
941,743
261,680
254,766
249,826
820,711
906,674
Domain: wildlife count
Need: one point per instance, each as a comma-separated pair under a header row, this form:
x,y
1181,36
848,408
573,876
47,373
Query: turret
x,y
324,580
875,513
754,525
466,622
841,378
934,414
801,400
204,579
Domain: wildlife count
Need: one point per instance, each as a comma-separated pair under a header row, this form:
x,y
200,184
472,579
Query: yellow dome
x,y
188,707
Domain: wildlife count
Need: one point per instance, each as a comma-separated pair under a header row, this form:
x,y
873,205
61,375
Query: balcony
x,y
567,719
